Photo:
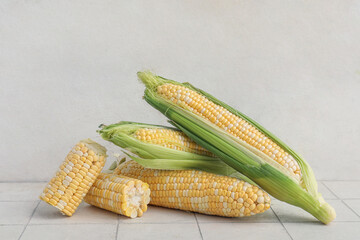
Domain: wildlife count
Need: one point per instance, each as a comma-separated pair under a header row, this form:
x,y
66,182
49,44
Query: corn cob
x,y
239,141
74,178
119,194
170,138
199,191
162,147
153,141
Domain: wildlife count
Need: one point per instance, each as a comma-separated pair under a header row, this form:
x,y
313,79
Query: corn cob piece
x,y
74,178
119,194
198,191
239,141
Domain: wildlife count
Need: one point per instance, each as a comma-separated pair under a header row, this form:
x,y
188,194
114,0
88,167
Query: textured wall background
x,y
67,66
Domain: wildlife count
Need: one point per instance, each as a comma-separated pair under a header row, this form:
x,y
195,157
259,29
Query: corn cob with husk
x,y
239,141
198,191
161,147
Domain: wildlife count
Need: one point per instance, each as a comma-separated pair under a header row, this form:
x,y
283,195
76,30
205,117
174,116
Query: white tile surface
x,y
16,212
249,231
354,204
158,231
289,213
162,223
326,193
267,216
318,231
47,214
343,212
11,232
75,231
20,191
162,215
344,189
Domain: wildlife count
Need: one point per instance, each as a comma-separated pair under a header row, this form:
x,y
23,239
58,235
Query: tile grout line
x,y
342,200
22,181
282,224
320,180
188,223
32,214
329,180
94,223
18,201
337,197
117,227
63,224
11,224
350,208
197,223
350,199
44,182
330,190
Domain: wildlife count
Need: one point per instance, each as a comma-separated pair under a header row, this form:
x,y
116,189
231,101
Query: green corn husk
x,y
269,175
159,157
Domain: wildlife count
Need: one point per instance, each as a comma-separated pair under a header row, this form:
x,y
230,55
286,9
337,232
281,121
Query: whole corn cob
x,y
199,191
153,141
239,141
119,194
76,175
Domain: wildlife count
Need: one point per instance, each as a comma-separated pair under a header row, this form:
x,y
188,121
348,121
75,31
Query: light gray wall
x,y
67,66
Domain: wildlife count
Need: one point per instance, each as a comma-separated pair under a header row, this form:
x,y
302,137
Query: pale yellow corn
x,y
120,194
198,191
170,138
76,175
238,127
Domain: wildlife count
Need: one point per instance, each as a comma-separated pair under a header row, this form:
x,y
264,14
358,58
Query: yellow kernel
x,y
260,206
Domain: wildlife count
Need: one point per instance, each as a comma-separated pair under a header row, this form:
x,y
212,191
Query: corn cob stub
x,y
119,194
199,191
171,139
76,175
218,115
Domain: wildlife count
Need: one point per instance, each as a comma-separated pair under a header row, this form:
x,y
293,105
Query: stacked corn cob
x,y
76,175
79,176
239,141
229,154
163,148
120,194
188,190
198,191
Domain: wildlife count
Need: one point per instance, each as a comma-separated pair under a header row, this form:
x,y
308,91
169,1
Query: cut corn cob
x,y
119,194
162,147
76,175
199,191
239,141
